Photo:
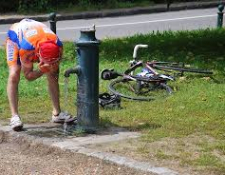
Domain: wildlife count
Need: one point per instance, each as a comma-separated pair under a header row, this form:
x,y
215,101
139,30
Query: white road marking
x,y
132,23
136,23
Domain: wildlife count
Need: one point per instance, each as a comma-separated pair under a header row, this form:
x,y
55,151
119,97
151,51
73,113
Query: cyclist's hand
x,y
46,68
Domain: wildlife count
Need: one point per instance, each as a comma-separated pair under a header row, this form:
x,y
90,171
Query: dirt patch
x,y
19,156
178,154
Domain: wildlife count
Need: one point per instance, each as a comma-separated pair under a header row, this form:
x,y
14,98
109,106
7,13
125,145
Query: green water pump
x,y
87,71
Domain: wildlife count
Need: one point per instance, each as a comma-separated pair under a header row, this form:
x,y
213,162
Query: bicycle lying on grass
x,y
142,82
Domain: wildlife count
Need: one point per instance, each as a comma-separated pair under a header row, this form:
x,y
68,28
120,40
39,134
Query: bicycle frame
x,y
153,75
135,64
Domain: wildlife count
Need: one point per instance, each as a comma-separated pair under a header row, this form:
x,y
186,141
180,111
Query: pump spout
x,y
75,70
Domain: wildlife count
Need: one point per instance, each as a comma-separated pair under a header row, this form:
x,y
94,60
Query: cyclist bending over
x,y
30,42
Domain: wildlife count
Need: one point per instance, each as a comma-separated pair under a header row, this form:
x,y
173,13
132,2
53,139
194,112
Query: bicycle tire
x,y
161,90
183,69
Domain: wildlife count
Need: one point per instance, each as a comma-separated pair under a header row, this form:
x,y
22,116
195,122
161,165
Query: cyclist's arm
x,y
28,70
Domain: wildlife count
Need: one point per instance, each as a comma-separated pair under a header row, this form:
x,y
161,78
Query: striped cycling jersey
x,y
26,36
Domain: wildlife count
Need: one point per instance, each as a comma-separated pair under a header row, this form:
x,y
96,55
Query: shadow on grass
x,y
106,124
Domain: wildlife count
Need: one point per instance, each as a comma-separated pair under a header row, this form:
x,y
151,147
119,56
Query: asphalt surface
x,y
123,22
9,19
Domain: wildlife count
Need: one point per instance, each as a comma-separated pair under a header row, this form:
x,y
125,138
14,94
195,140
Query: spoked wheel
x,y
139,90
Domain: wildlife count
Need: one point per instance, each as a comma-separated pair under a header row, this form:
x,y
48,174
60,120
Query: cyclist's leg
x,y
14,75
53,87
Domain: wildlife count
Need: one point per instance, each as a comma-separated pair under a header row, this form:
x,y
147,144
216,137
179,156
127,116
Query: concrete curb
x,y
116,12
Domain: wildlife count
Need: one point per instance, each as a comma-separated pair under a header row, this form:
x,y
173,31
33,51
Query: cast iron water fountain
x,y
87,71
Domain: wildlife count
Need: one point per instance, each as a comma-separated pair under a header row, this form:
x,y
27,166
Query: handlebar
x,y
136,49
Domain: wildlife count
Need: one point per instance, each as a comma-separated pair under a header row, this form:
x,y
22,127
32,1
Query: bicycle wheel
x,y
139,90
182,69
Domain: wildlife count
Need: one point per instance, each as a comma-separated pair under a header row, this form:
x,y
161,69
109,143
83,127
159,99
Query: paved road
x,y
129,25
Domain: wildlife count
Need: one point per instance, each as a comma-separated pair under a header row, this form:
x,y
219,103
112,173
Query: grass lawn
x,y
186,128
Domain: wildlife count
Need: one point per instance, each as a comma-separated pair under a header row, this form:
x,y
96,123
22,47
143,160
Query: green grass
x,y
197,105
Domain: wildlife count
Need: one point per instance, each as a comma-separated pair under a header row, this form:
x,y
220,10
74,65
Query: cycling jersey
x,y
24,39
